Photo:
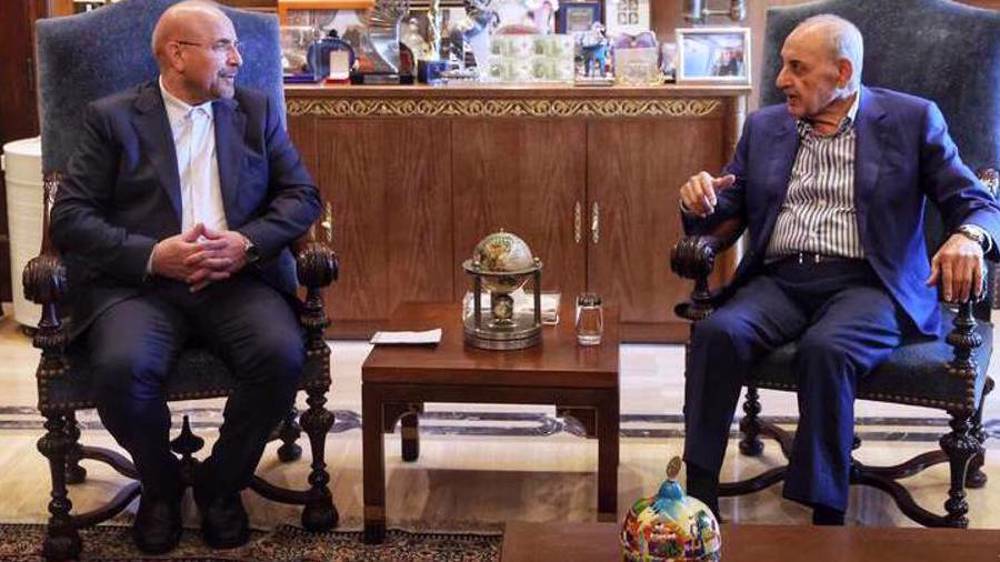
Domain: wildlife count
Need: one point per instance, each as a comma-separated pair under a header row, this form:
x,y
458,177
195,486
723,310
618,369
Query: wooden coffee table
x,y
598,542
582,382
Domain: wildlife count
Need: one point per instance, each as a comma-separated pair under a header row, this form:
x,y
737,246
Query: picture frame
x,y
627,16
577,17
713,55
316,12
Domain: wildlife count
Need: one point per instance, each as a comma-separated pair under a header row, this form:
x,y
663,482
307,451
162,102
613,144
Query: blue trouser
x,y
845,324
134,345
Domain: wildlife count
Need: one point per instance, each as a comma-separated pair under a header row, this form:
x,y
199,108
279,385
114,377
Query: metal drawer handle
x,y
595,223
578,222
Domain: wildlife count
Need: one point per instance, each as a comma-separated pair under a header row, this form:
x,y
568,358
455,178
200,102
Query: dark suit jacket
x,y
121,193
904,156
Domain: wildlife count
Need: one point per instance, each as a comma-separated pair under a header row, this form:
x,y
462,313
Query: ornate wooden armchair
x,y
934,49
82,58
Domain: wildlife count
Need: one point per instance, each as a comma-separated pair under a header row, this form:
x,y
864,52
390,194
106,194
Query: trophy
x,y
501,264
377,46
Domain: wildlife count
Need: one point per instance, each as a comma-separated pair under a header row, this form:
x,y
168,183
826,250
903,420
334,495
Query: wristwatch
x,y
975,234
250,250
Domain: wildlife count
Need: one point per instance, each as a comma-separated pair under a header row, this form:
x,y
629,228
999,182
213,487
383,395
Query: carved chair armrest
x,y
44,280
693,257
317,266
964,339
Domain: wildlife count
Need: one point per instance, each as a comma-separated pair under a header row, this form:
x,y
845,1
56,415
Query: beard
x,y
224,86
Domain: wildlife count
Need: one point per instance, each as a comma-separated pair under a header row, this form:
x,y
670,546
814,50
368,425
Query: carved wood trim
x,y
637,107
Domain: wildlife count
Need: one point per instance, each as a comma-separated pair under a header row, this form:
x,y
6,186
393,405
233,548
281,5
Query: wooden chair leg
x,y
186,444
319,514
751,445
290,450
75,474
976,478
62,541
961,447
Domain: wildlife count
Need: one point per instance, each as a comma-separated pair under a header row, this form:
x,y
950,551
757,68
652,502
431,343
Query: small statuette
x,y
674,468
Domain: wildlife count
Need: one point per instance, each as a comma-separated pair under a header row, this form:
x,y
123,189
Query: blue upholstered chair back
x,y
85,57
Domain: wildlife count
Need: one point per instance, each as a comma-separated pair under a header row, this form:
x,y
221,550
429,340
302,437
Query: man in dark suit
x,y
831,188
175,217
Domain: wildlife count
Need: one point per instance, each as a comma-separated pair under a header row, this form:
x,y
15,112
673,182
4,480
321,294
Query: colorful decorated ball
x,y
670,526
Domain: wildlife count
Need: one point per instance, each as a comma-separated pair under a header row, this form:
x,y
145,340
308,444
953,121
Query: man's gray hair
x,y
844,40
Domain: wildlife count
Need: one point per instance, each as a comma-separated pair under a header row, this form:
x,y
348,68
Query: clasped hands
x,y
200,256
957,265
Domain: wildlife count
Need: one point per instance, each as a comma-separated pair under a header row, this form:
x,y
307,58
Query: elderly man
x,y
831,187
174,217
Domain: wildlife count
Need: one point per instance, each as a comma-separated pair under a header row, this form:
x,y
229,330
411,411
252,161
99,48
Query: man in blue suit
x,y
831,188
175,217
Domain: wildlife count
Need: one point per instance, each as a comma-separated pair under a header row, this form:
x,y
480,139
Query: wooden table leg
x,y
607,457
373,463
410,432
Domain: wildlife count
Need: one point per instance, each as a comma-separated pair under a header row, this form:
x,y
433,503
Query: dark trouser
x,y
134,345
845,323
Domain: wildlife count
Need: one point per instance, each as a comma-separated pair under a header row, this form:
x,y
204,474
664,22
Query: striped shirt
x,y
818,213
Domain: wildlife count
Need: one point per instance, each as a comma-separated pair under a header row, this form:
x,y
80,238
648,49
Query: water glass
x,y
589,319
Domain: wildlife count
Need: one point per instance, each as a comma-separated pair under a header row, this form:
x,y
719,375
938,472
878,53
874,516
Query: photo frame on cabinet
x,y
316,13
626,16
713,55
577,17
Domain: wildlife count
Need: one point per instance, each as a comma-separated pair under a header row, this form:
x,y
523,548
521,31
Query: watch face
x,y
252,254
973,234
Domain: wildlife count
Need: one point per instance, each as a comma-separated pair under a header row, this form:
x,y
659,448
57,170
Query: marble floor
x,y
484,464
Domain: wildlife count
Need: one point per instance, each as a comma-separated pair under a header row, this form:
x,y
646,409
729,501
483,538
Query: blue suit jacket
x,y
904,156
121,193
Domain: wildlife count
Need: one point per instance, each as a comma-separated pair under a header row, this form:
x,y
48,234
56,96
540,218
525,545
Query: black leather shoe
x,y
828,516
224,521
157,527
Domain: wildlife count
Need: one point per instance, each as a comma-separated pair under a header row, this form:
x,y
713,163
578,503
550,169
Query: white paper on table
x,y
407,338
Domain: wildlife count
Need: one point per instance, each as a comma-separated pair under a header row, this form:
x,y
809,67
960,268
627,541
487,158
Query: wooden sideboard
x,y
413,177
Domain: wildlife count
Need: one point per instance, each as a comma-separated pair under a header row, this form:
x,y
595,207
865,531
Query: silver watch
x,y
973,233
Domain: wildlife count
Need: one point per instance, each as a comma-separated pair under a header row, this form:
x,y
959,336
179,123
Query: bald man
x,y
175,218
831,187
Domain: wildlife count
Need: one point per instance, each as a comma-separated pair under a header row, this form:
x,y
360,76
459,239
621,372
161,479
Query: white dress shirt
x,y
193,129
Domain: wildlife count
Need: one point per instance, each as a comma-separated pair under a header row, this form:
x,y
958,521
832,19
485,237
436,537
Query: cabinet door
x,y
635,170
527,177
388,182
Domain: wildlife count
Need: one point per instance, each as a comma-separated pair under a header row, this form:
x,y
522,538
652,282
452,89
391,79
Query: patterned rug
x,y
22,543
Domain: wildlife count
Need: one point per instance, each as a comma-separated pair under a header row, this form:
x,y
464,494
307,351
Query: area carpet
x,y
22,543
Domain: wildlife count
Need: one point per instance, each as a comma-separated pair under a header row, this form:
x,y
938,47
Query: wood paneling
x,y
417,176
18,102
988,4
526,177
635,168
388,182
